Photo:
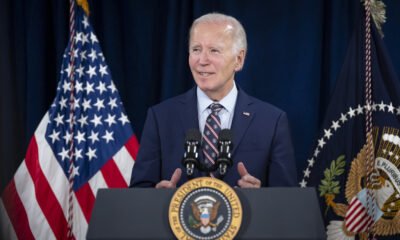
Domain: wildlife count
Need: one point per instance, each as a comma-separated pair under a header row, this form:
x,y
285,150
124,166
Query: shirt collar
x,y
228,102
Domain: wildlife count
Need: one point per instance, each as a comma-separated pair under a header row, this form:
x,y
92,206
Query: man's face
x,y
212,60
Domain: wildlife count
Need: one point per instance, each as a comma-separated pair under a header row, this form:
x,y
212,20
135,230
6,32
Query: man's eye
x,y
195,50
214,50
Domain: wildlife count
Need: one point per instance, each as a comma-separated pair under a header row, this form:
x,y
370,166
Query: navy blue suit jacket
x,y
261,140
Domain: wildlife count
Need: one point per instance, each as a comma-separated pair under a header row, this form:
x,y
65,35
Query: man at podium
x,y
262,153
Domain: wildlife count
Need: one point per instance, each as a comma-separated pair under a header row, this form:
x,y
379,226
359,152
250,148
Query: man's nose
x,y
204,59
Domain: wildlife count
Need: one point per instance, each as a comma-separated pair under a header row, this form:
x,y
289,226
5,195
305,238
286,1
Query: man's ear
x,y
240,60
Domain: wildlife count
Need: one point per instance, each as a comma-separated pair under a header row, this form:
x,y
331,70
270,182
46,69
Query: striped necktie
x,y
210,134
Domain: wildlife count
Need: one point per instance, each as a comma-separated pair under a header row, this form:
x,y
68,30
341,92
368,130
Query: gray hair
x,y
238,33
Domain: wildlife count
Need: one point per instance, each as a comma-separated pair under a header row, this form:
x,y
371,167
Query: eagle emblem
x,y
204,214
200,209
385,186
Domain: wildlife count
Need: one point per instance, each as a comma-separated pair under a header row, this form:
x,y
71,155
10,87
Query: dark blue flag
x,y
337,165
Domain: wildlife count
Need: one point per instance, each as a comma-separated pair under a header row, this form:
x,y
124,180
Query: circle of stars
x,y
328,133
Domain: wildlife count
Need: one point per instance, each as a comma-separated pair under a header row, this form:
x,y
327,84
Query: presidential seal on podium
x,y
205,208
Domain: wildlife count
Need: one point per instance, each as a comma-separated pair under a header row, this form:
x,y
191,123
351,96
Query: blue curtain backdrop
x,y
296,49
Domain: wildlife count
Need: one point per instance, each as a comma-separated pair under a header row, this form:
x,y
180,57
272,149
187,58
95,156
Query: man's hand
x,y
171,183
246,180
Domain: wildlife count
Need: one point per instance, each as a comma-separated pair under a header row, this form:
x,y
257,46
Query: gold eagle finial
x,y
84,5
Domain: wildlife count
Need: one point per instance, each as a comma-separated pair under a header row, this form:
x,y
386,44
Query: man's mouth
x,y
204,74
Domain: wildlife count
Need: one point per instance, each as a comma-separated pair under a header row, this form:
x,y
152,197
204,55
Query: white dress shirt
x,y
226,114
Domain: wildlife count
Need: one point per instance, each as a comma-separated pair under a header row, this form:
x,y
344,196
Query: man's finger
x,y
244,184
242,169
164,184
250,179
176,176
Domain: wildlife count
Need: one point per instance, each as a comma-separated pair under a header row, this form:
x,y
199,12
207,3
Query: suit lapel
x,y
189,119
242,118
189,115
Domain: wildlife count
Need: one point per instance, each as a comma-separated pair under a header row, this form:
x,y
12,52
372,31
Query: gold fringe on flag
x,y
378,12
85,5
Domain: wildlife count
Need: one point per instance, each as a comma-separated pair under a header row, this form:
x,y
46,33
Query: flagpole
x,y
71,117
370,158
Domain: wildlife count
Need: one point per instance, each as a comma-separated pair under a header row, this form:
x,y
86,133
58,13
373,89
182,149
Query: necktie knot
x,y
215,108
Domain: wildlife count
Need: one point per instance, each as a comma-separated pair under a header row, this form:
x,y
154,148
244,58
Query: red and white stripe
x,y
357,218
35,203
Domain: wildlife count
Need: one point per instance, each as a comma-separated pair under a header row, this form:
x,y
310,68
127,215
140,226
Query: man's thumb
x,y
176,176
242,169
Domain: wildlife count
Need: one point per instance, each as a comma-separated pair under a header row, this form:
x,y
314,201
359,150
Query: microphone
x,y
191,156
224,159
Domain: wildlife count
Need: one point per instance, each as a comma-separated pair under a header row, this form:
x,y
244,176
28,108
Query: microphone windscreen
x,y
193,135
225,135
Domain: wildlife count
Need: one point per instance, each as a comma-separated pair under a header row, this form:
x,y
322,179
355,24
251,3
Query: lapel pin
x,y
246,114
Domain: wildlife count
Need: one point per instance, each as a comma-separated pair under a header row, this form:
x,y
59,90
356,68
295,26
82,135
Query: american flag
x,y
358,218
35,203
